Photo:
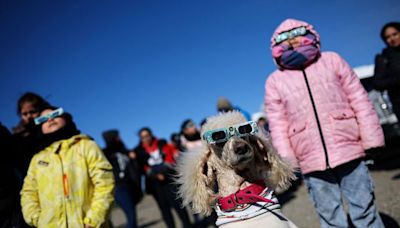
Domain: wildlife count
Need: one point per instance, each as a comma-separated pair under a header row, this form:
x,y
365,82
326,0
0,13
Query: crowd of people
x,y
49,150
55,176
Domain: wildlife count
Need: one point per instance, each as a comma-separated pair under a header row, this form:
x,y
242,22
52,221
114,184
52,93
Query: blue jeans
x,y
352,181
124,198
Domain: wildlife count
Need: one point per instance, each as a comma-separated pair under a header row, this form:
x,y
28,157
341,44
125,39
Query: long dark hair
x,y
392,24
37,101
149,131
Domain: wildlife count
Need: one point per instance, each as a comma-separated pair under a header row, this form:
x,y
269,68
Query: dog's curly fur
x,y
213,172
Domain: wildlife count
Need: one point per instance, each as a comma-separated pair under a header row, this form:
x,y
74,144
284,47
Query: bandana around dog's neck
x,y
250,202
299,57
248,195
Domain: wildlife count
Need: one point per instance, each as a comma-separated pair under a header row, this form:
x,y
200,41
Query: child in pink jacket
x,y
322,121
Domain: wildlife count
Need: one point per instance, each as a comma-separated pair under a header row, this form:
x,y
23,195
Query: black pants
x,y
165,196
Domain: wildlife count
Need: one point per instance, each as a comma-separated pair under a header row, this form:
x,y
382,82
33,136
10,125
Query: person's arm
x,y
100,172
29,196
386,77
370,129
278,122
381,80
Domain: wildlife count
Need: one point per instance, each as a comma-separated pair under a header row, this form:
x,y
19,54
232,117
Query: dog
x,y
234,174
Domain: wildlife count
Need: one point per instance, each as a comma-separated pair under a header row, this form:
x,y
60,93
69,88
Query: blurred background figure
x,y
156,159
202,122
176,141
224,105
9,189
26,133
190,139
69,182
25,140
387,65
126,173
262,121
190,135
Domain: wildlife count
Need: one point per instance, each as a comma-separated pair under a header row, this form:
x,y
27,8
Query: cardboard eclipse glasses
x,y
300,31
56,113
224,134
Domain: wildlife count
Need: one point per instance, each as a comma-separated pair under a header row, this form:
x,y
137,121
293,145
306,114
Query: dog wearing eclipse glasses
x,y
235,174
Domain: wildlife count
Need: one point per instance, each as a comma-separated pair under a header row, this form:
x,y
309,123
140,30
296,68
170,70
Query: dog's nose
x,y
241,149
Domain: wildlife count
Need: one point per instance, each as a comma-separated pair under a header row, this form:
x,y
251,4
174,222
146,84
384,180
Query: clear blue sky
x,y
127,64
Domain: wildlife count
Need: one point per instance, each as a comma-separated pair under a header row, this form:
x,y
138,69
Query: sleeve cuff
x,y
90,222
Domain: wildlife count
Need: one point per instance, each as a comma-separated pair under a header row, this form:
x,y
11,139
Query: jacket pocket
x,y
296,128
345,126
298,138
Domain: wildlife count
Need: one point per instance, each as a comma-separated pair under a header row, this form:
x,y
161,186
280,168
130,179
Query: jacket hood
x,y
290,24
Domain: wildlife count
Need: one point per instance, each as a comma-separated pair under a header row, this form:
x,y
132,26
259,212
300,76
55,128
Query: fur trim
x,y
196,179
280,173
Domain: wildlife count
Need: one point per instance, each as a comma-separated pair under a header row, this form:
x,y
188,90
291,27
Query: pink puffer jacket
x,y
347,118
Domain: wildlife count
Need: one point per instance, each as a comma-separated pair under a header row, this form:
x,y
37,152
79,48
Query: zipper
x,y
65,184
317,119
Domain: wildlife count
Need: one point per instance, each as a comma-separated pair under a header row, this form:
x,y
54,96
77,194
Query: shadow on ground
x,y
151,223
395,177
388,221
148,224
289,194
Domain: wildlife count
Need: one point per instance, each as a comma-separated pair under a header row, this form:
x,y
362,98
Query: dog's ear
x,y
279,172
196,180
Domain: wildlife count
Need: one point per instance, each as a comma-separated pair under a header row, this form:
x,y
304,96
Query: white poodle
x,y
235,174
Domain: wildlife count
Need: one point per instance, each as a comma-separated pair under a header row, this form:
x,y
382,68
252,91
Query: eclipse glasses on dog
x,y
300,31
51,115
224,134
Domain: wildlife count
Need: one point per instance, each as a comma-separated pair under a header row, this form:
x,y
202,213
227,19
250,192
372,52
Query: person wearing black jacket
x,y
8,185
157,158
127,178
26,138
26,134
387,65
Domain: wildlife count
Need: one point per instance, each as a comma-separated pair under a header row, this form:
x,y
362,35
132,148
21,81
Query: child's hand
x,y
88,226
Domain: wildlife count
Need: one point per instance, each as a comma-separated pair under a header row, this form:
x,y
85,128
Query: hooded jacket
x,y
323,124
70,183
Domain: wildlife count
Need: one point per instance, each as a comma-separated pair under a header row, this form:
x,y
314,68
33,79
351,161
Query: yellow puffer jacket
x,y
69,184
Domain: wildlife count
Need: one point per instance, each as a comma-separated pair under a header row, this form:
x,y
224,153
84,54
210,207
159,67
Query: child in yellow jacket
x,y
69,182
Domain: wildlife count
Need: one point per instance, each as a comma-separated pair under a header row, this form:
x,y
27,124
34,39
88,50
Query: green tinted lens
x,y
41,119
298,32
282,37
54,115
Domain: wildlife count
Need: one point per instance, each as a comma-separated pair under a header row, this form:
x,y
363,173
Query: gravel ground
x,y
296,205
